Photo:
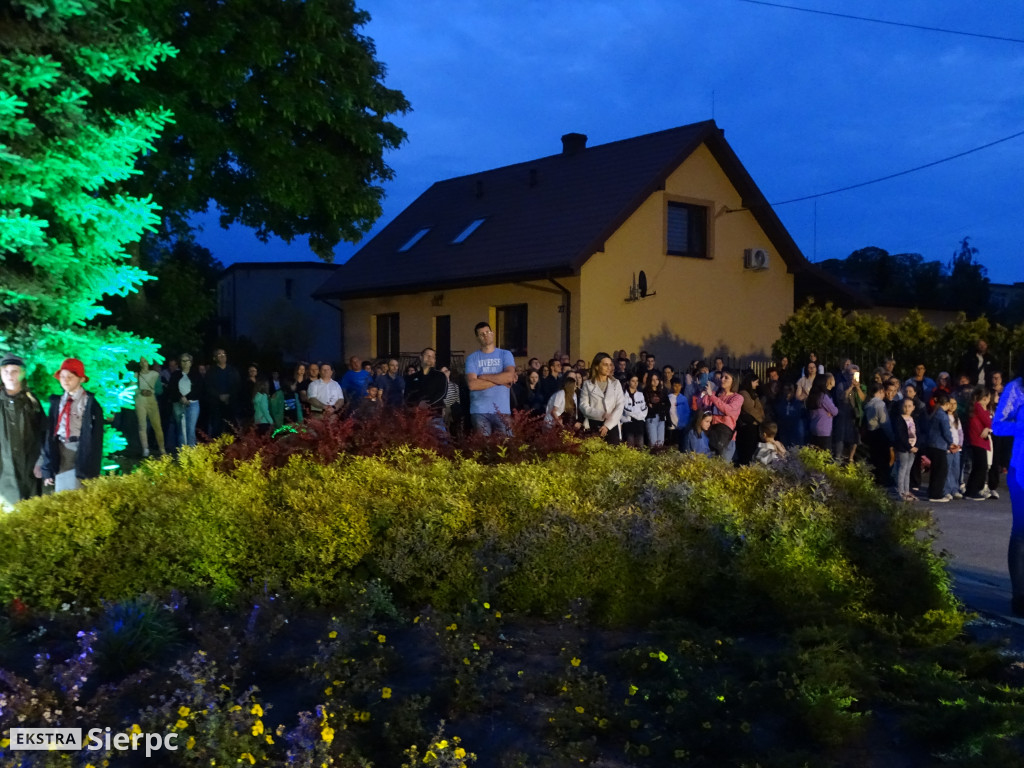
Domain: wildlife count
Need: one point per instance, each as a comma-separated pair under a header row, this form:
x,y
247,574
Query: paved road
x,y
975,536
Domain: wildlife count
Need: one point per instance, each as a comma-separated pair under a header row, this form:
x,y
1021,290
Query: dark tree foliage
x,y
179,310
281,117
967,288
907,280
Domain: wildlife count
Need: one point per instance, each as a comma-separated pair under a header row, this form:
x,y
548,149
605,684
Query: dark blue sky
x,y
810,103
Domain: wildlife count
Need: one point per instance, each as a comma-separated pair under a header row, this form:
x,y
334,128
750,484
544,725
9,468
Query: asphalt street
x,y
974,535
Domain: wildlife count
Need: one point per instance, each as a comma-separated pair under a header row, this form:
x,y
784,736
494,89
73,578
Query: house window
x,y
414,239
467,231
387,335
687,230
511,330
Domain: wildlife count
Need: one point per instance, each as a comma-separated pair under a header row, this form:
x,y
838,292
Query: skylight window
x,y
414,239
468,231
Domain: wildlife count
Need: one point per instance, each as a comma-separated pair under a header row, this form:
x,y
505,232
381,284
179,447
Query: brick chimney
x,y
573,143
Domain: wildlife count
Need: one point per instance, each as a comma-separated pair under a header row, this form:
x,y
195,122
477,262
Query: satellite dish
x,y
642,284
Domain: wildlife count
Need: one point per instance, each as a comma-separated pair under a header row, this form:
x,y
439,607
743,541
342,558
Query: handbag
x,y
719,437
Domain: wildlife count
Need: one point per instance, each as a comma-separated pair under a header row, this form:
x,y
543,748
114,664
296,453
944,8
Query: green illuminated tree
x,y
282,119
64,161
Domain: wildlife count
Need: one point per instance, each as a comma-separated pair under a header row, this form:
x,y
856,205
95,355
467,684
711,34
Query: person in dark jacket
x,y
73,449
186,390
22,426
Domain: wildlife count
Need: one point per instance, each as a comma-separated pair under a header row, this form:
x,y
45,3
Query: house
x,y
661,242
271,304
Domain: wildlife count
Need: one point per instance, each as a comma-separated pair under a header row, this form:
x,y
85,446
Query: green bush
x,y
632,534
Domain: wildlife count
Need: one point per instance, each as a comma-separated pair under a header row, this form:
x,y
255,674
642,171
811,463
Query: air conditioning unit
x,y
755,258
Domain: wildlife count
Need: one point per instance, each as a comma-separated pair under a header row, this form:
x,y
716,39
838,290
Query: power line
x,y
900,173
884,21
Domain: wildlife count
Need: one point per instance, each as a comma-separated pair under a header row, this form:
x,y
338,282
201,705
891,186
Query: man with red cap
x,y
73,450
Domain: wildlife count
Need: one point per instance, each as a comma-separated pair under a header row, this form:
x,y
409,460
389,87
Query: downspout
x,y
341,322
566,314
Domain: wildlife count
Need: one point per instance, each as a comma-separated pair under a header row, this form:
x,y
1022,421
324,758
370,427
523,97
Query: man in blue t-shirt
x,y
490,374
355,381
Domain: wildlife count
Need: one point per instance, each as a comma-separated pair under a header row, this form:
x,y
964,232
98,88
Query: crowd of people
x,y
958,427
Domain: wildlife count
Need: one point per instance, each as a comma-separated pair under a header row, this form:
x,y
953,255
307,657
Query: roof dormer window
x,y
468,231
414,239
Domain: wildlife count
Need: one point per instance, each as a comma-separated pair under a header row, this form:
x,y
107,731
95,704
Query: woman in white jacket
x,y
601,400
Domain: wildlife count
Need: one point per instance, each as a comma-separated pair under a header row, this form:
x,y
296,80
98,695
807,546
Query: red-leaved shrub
x,y
324,438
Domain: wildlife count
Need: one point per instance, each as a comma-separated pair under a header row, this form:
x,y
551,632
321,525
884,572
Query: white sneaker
x,y
145,453
943,500
958,495
993,495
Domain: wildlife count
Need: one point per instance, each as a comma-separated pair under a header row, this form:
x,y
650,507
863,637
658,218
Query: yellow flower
x,y
257,728
575,662
5,743
452,627
416,620
382,639
327,734
136,728
328,690
579,710
632,690
180,725
269,738
191,742
332,634
257,710
487,606
385,693
247,756
183,711
442,744
662,655
497,614
235,708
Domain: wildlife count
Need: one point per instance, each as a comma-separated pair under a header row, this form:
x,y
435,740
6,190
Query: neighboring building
x,y
271,304
553,252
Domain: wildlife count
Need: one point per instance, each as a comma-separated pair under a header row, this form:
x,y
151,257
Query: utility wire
x,y
884,21
900,173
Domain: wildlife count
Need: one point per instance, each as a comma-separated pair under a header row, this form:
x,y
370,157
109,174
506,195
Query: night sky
x,y
810,103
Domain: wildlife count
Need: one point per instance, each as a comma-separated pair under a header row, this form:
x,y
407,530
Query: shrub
x,y
631,533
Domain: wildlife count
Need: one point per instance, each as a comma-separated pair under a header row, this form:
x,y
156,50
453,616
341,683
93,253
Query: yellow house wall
x,y
467,307
703,306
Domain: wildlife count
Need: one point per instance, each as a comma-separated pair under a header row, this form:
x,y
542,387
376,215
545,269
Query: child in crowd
x,y
953,474
769,450
697,436
261,405
370,406
905,446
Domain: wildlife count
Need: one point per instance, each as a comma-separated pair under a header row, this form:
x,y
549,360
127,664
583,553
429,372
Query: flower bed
x,y
602,607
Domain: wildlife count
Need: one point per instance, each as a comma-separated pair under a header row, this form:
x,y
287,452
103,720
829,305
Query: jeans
x,y
655,432
729,452
488,423
952,474
904,461
186,417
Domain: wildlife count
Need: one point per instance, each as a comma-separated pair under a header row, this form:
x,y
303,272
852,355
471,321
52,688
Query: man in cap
x,y
73,450
22,425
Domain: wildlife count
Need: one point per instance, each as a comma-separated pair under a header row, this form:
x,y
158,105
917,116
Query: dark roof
x,y
543,218
291,266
